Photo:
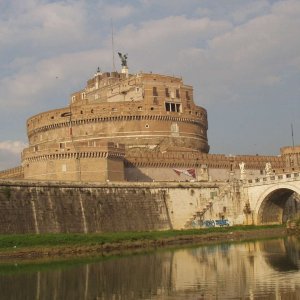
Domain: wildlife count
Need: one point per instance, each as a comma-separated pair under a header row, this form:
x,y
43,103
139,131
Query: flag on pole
x,y
188,172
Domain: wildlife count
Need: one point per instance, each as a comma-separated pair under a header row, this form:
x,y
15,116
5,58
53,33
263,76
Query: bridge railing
x,y
273,178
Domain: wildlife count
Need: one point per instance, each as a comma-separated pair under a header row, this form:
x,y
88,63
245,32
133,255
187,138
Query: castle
x,y
133,127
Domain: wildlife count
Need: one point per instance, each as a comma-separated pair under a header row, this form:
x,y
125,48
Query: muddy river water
x,y
266,269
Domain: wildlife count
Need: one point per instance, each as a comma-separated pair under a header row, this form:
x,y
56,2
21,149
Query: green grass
x,y
55,240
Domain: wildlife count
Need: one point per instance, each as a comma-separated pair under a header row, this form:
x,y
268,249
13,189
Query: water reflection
x,y
282,255
253,270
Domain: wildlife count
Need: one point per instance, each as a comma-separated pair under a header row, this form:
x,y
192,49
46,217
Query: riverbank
x,y
32,246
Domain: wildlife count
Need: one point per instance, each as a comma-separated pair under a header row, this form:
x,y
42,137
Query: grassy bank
x,y
31,241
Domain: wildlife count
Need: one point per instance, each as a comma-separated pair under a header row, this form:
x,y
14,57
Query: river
x,y
251,270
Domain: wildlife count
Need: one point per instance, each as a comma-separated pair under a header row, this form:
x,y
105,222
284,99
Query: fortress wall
x,y
43,207
149,174
56,118
111,126
77,169
162,174
12,173
76,162
149,166
194,159
115,170
291,156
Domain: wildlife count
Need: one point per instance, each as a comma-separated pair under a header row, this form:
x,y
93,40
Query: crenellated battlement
x,y
195,159
14,173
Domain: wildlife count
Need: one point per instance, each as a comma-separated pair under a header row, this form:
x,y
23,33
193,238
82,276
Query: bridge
x,y
272,199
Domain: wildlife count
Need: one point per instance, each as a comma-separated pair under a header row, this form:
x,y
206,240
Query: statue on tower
x,y
242,169
268,169
123,58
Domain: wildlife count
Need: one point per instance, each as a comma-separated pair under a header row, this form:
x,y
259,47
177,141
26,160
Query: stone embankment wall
x,y
43,207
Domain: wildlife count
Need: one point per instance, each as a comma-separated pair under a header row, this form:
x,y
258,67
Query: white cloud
x,y
156,44
10,153
258,53
51,76
42,24
14,147
175,29
250,10
289,8
117,12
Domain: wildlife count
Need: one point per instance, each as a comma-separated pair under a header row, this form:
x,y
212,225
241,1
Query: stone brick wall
x,y
159,166
41,207
13,173
291,156
99,162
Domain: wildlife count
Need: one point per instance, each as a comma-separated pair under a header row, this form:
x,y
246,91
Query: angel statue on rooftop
x,y
242,169
268,168
123,58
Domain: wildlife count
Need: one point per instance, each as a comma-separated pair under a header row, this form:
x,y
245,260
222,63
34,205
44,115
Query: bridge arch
x,y
272,202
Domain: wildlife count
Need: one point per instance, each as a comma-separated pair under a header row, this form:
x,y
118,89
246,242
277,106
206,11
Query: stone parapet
x,y
195,159
13,173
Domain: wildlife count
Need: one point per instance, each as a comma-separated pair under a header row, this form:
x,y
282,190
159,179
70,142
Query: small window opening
x,y
168,106
167,92
187,96
173,107
155,100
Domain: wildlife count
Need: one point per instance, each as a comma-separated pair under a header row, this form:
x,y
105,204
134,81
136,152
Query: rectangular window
x,y
91,144
177,93
167,92
173,107
187,96
168,106
155,91
155,100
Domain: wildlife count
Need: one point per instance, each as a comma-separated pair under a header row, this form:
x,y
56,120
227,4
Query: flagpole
x,y
292,135
295,155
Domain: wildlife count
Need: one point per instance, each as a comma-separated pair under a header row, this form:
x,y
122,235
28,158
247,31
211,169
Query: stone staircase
x,y
198,216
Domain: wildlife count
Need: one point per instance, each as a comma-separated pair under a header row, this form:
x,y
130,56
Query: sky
x,y
241,56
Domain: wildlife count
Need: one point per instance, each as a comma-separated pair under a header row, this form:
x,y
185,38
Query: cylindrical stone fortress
x,y
142,112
